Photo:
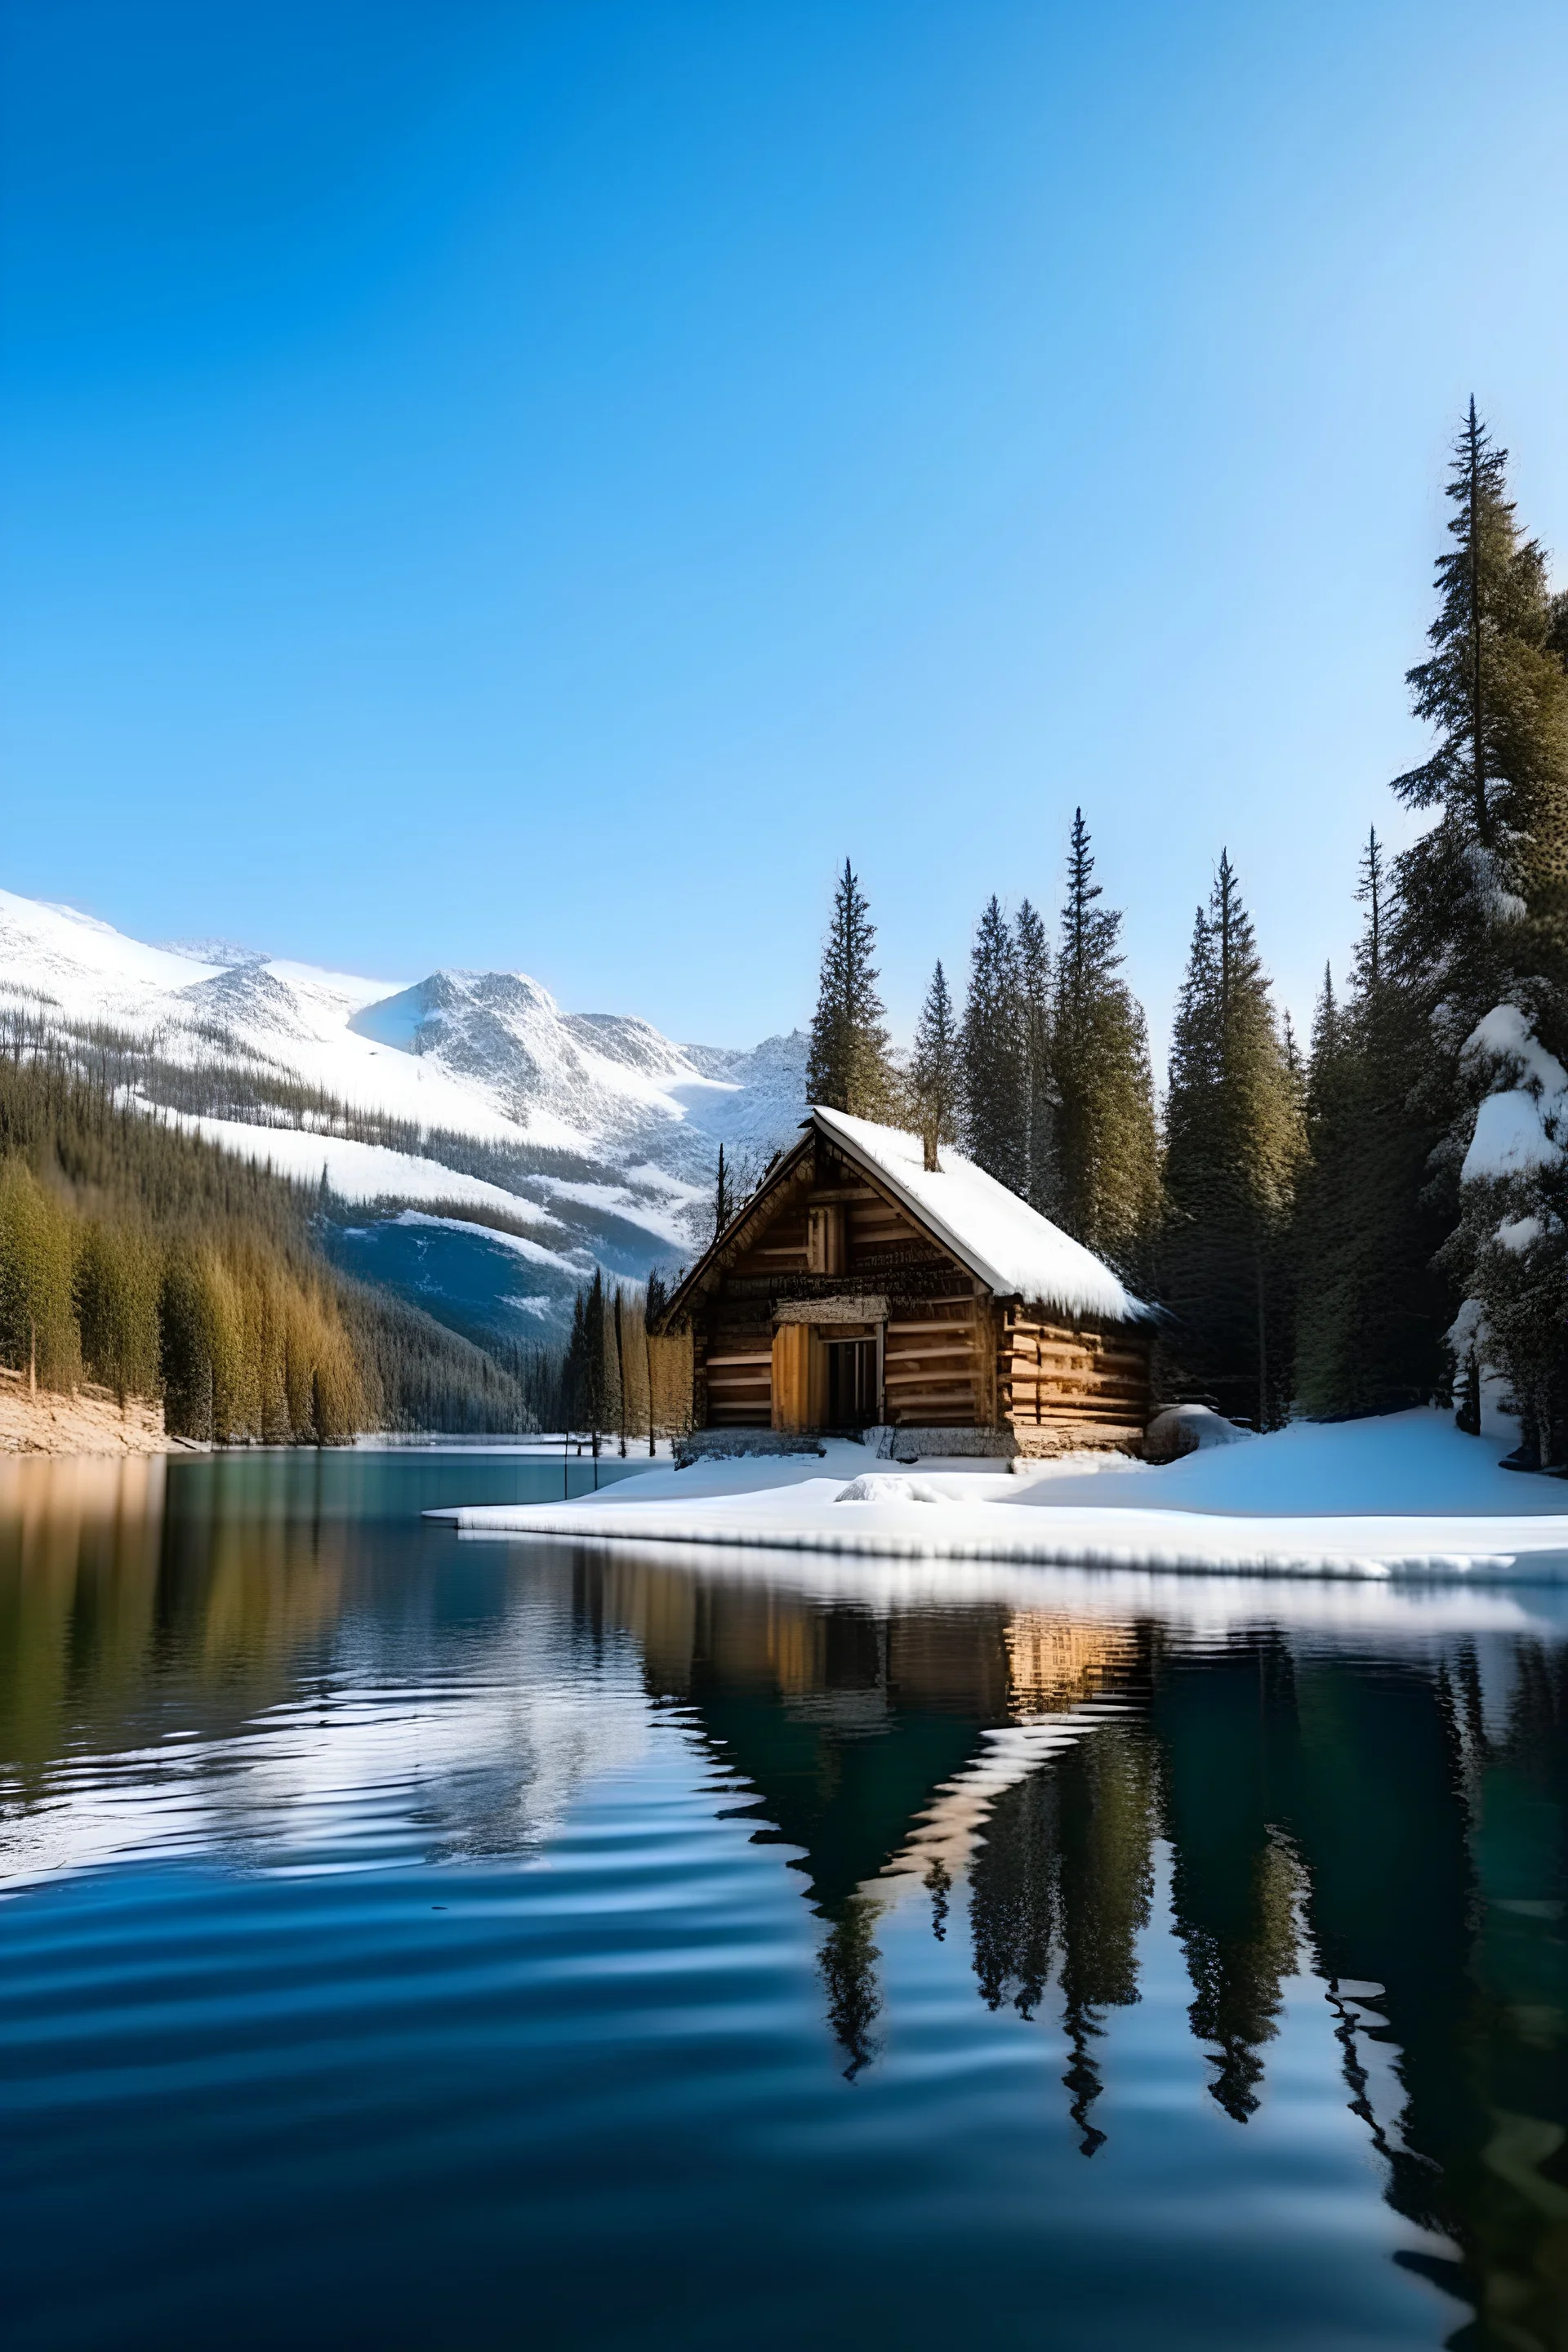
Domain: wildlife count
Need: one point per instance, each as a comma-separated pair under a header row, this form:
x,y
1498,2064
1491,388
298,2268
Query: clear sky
x,y
537,486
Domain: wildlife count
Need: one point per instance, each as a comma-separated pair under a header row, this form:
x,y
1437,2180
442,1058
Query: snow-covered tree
x,y
1478,946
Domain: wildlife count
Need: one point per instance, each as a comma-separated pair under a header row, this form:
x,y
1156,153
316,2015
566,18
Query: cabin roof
x,y
1007,1245
1015,1251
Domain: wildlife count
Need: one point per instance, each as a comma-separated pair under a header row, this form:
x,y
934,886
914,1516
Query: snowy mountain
x,y
484,1148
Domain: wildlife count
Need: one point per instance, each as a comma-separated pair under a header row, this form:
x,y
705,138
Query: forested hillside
x,y
134,1255
1379,1220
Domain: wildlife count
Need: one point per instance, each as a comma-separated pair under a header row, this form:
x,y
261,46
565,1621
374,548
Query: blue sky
x,y
537,486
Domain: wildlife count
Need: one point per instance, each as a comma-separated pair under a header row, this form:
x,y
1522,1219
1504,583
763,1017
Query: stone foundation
x,y
1009,1445
737,1444
887,1444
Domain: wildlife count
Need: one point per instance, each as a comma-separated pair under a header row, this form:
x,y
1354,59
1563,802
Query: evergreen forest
x,y
1379,1218
137,1256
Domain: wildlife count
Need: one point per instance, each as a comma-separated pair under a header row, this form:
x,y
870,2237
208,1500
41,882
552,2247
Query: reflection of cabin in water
x,y
860,1288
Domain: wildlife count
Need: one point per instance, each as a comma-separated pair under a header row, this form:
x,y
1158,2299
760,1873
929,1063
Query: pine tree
x,y
723,1196
1372,892
1496,690
847,1067
995,1069
936,1076
1233,1146
1478,948
1035,1003
1370,1304
575,1374
1106,1188
616,1376
597,1396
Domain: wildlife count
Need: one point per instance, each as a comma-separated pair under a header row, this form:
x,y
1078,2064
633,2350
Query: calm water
x,y
409,1941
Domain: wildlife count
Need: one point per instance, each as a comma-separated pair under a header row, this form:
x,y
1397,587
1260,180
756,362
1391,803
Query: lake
x,y
408,1940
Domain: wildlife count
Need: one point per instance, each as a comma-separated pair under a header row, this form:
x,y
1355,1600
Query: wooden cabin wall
x,y
935,1361
1053,1376
734,1388
951,1356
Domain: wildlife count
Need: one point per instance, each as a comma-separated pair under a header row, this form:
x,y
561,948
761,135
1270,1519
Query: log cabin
x,y
860,1288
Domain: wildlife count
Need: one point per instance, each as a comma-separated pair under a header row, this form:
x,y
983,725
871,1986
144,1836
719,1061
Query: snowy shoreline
x,y
1407,1497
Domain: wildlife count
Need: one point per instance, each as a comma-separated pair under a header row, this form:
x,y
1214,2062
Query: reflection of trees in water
x,y
1061,1887
1439,1860
1405,1820
118,1604
1237,1979
1225,1724
848,1963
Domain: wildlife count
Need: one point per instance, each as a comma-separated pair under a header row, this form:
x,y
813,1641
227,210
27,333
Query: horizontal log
x,y
1060,1360
954,1323
1058,1416
1070,1352
1066,1393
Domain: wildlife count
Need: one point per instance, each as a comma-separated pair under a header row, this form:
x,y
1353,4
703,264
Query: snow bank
x,y
1009,1246
1408,1496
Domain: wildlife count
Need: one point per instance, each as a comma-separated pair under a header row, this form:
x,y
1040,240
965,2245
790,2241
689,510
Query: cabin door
x,y
851,1383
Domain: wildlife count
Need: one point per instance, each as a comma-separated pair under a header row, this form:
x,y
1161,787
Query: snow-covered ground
x,y
1403,1497
359,1172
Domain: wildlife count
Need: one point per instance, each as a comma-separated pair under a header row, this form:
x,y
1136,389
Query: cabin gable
x,y
830,1305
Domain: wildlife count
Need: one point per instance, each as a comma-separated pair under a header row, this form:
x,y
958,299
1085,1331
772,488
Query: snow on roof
x,y
1012,1249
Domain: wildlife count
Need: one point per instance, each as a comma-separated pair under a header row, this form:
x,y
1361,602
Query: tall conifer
x,y
1233,1146
1106,1189
847,1067
995,1069
1035,1013
1478,948
723,1195
936,1076
1371,1305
